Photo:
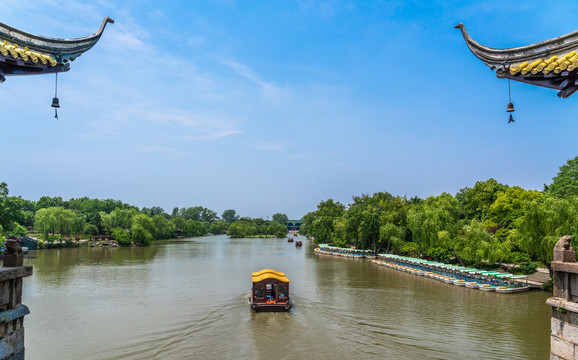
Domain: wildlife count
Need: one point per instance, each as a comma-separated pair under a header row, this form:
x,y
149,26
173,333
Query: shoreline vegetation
x,y
484,226
69,223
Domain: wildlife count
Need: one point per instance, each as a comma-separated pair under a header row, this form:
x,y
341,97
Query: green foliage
x,y
440,254
565,183
208,215
320,224
17,230
477,245
527,268
280,218
435,222
10,208
58,220
140,235
548,286
476,202
256,227
509,205
229,216
242,229
218,227
90,230
410,249
543,223
121,236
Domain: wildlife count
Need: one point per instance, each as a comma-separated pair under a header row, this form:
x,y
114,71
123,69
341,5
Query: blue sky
x,y
274,106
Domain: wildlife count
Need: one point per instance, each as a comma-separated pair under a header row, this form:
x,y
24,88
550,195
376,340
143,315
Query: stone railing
x,y
564,337
12,311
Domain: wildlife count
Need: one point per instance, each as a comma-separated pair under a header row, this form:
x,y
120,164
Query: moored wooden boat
x,y
487,287
509,290
270,291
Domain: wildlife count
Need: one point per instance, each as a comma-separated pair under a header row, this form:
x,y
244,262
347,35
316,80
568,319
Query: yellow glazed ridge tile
x,y
13,50
556,64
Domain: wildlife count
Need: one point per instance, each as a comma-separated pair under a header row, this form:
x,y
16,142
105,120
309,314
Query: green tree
x,y
229,216
325,215
122,236
118,218
435,223
208,215
90,230
47,201
543,222
476,201
58,220
509,206
242,229
565,183
10,209
280,218
164,229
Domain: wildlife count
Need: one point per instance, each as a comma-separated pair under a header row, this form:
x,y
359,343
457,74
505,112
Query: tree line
x,y
483,225
55,219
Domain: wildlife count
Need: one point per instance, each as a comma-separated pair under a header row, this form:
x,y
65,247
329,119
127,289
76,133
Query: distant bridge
x,y
293,225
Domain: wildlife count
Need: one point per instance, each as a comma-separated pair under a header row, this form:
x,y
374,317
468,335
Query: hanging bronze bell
x,y
510,107
55,103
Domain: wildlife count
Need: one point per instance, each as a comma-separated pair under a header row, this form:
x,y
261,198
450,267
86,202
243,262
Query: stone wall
x,y
12,311
564,337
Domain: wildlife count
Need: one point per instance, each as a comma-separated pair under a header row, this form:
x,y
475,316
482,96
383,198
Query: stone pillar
x,y
12,311
564,337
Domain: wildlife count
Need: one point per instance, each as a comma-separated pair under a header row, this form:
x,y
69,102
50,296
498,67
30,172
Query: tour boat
x,y
289,239
298,243
512,286
487,287
270,292
459,282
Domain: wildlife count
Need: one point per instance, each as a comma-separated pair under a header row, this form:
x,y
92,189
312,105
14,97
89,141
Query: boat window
x,y
259,291
282,290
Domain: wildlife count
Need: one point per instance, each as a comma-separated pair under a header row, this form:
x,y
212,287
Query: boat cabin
x,y
270,291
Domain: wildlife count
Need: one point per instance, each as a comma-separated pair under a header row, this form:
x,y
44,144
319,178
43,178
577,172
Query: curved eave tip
x,y
109,20
459,26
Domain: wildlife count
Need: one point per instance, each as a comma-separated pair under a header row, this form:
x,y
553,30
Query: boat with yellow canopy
x,y
270,291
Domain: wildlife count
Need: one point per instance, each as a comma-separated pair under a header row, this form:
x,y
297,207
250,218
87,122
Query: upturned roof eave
x,y
62,49
502,58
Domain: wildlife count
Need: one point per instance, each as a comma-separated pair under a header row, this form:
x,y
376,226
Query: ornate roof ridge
x,y
502,58
62,50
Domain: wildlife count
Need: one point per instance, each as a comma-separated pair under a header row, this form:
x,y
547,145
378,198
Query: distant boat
x,y
270,291
298,243
289,239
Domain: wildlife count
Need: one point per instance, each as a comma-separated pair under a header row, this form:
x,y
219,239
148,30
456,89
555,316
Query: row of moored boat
x,y
500,282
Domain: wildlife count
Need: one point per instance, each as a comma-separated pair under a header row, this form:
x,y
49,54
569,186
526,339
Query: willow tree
x,y
59,220
435,223
543,223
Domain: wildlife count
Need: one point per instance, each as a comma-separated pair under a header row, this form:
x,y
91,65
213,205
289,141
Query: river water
x,y
188,299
